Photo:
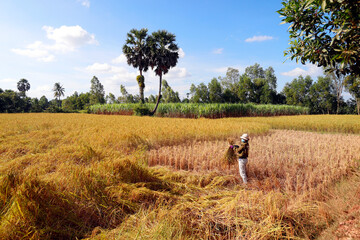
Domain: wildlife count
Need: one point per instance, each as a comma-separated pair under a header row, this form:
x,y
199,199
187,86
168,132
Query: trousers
x,y
242,169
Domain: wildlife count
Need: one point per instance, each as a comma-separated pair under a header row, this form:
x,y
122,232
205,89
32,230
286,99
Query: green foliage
x,y
324,32
76,102
136,49
352,84
215,91
58,91
141,82
97,93
126,97
13,102
137,52
168,94
163,55
298,90
141,110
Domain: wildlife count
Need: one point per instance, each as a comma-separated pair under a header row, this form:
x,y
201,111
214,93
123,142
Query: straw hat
x,y
245,137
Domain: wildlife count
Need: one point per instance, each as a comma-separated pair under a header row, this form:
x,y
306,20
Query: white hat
x,y
245,136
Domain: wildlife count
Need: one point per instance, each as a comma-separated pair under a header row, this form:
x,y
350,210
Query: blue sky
x,y
69,41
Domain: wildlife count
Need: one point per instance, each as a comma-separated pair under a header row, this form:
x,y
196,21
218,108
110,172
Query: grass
x,y
68,176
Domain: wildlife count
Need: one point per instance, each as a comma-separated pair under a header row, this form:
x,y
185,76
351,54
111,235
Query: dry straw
x,y
230,155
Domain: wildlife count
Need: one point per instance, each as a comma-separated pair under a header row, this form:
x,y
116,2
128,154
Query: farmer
x,y
242,151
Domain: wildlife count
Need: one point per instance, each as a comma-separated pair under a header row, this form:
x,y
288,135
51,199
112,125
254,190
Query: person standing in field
x,y
242,152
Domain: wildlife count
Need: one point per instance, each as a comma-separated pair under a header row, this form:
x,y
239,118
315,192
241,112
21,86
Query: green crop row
x,y
195,110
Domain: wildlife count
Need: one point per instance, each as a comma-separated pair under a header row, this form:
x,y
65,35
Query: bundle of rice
x,y
229,156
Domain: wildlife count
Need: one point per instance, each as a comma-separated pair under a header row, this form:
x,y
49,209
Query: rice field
x,y
298,161
79,176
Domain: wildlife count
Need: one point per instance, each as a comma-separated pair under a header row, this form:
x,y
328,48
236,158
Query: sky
x,y
70,41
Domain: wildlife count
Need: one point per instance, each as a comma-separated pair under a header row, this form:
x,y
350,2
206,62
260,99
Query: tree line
x,y
255,85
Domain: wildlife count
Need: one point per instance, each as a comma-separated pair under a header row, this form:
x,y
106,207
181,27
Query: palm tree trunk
x,y
358,105
159,97
141,90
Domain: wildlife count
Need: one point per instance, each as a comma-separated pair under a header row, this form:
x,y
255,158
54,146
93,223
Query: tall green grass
x,y
195,110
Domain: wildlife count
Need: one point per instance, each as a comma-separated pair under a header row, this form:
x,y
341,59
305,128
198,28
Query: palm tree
x,y
163,55
136,51
58,91
23,85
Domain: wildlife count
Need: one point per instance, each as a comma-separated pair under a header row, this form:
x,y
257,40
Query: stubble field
x,y
68,176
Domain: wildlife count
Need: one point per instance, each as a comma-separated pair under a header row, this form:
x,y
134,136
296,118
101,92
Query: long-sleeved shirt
x,y
243,150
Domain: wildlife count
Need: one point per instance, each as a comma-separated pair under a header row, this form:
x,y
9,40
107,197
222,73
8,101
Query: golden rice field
x,y
78,176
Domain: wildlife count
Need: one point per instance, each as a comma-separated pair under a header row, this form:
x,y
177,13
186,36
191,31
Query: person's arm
x,y
239,149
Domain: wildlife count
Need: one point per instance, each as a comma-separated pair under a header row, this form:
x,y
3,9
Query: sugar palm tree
x,y
23,86
136,51
163,55
58,91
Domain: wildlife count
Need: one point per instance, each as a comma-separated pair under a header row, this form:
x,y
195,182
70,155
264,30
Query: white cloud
x,y
67,39
218,51
117,72
36,50
178,72
259,38
120,59
99,68
8,80
41,90
312,70
223,70
220,70
85,3
181,53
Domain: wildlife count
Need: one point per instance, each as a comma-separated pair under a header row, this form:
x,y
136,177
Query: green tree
x,y
194,93
97,92
245,88
152,99
338,83
297,92
270,77
231,80
258,85
261,92
199,94
23,86
126,97
352,84
137,53
169,95
58,92
35,105
111,98
324,32
255,71
44,103
215,91
163,55
13,102
322,96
